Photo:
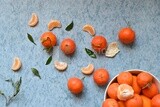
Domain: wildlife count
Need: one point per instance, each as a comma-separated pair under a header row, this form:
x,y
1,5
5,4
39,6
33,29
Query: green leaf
x,y
69,27
31,38
49,60
90,53
36,72
17,86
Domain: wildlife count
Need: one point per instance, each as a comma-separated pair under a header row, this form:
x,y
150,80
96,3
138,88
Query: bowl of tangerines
x,y
133,88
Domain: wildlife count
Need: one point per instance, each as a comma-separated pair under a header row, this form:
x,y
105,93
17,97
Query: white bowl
x,y
135,72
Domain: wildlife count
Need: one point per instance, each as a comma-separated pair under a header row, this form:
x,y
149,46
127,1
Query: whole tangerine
x,y
101,76
48,39
135,86
68,46
125,78
110,103
99,43
146,101
136,101
112,90
126,35
150,91
121,104
144,79
75,85
156,101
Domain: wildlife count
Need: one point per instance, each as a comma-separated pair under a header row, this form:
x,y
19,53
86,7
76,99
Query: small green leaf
x,y
49,60
90,53
31,38
17,86
70,26
36,72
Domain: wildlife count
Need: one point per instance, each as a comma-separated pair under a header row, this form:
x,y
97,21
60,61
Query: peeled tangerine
x,y
34,20
61,66
125,92
88,70
112,49
90,29
16,64
54,24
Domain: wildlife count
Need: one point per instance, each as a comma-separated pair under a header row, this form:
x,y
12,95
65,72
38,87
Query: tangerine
x,y
75,85
112,90
156,101
136,101
99,44
125,78
110,103
68,46
126,35
101,76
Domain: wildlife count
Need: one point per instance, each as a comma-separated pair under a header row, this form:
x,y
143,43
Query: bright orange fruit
x,y
135,86
112,90
125,78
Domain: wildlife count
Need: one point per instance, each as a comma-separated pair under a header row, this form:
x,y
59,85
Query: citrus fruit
x,y
121,104
54,24
126,35
112,90
125,78
156,101
101,76
144,79
90,29
34,20
16,64
99,44
68,46
135,86
146,101
136,101
110,103
48,39
75,85
125,92
88,70
150,91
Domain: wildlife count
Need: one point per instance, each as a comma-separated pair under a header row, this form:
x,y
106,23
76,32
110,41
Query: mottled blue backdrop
x,y
107,16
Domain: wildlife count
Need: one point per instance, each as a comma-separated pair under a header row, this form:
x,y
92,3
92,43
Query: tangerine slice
x,y
54,24
90,29
125,92
16,64
61,66
88,70
34,20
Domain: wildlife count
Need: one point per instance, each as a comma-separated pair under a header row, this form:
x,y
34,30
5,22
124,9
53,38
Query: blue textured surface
x,y
107,18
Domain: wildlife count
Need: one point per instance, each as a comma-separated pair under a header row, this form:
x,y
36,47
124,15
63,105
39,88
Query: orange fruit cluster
x,y
133,91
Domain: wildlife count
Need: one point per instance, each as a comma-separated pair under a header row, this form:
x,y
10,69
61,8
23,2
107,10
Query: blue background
x,y
107,16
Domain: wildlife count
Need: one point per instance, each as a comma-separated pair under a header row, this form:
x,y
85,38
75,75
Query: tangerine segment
x,y
150,91
144,79
125,92
156,101
110,103
16,64
135,86
54,24
112,90
88,70
125,78
90,29
136,101
146,101
34,20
